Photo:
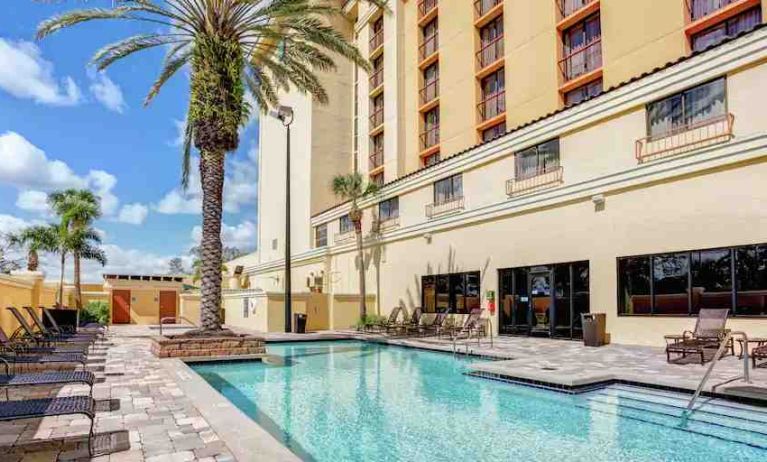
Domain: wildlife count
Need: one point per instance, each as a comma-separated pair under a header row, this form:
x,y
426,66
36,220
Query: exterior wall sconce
x,y
428,237
599,202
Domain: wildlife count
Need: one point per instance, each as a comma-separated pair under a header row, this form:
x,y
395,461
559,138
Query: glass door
x,y
541,300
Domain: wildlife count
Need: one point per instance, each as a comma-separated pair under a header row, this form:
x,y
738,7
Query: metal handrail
x,y
183,318
717,356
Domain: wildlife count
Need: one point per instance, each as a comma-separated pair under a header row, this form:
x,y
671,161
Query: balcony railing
x,y
376,79
376,40
430,91
429,46
344,237
376,118
377,179
490,52
494,104
376,159
702,8
430,137
547,178
425,7
481,7
582,61
453,204
385,225
568,7
685,138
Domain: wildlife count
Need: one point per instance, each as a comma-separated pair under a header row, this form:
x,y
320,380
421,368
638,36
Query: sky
x,y
64,124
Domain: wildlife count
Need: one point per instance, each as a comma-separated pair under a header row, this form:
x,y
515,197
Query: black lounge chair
x,y
50,407
91,328
709,333
42,337
55,332
9,380
24,347
44,358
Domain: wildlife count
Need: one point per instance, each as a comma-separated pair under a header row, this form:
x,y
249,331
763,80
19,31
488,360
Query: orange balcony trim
x,y
431,14
491,14
490,68
578,15
429,151
376,170
428,106
685,138
733,9
429,60
376,130
491,122
582,79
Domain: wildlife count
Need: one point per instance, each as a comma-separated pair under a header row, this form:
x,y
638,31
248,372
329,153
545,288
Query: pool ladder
x,y
722,348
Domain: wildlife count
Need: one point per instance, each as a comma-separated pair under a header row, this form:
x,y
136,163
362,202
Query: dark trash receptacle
x,y
299,321
594,329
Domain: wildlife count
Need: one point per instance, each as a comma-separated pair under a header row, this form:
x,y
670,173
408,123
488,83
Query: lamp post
x,y
285,115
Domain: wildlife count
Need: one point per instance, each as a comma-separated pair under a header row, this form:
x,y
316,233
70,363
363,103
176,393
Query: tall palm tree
x,y
262,46
353,187
77,209
39,238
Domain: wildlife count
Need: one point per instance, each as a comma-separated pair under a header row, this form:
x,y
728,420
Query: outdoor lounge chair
x,y
42,337
414,324
436,327
468,327
759,353
56,332
92,328
24,347
708,334
391,321
50,407
9,380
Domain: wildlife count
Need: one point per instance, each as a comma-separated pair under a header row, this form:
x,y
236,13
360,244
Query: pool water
x,y
356,401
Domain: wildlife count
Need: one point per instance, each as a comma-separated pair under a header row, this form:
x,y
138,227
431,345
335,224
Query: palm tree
x,y
262,46
352,188
77,209
197,270
39,238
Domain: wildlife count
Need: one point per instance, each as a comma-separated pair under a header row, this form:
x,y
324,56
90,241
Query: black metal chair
x,y
44,338
9,380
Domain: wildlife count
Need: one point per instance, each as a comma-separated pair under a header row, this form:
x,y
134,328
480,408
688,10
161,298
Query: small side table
x,y
759,341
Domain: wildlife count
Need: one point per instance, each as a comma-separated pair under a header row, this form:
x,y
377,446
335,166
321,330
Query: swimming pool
x,y
356,401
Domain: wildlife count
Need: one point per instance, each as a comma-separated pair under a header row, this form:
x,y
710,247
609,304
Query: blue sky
x,y
64,124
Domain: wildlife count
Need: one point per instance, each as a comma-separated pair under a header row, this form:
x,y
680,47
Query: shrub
x,y
95,311
369,320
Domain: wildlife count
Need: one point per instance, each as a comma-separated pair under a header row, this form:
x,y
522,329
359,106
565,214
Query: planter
x,y
206,347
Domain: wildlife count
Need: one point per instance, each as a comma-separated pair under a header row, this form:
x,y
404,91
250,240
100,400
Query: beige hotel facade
x,y
538,159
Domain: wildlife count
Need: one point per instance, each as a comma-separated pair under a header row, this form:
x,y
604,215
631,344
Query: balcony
x,y
451,205
376,160
386,225
705,14
344,237
486,10
376,118
547,178
582,61
492,106
570,7
685,138
376,42
376,80
428,48
490,52
427,9
429,92
701,8
430,138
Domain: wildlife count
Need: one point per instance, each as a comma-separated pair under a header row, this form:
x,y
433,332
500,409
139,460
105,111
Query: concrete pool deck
x,y
159,410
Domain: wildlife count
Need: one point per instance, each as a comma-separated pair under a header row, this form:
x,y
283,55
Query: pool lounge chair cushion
x,y
46,407
47,378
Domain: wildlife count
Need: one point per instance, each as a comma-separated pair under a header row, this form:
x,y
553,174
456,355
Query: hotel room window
x,y
388,209
321,235
537,160
731,27
448,189
684,110
345,224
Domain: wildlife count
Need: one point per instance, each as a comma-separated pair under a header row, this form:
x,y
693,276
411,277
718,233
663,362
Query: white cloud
x,y
10,224
133,214
106,91
33,201
179,201
241,236
102,184
25,74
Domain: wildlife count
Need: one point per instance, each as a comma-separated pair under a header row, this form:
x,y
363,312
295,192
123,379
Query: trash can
x,y
299,323
593,329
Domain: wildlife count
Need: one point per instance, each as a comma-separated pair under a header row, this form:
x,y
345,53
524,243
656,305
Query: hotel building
x,y
537,159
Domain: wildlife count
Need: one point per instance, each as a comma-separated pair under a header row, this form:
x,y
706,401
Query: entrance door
x,y
120,306
168,305
541,300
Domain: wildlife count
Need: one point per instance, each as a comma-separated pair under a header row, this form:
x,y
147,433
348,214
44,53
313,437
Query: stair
x,y
715,418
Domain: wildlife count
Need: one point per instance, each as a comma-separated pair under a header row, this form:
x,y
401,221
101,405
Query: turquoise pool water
x,y
353,401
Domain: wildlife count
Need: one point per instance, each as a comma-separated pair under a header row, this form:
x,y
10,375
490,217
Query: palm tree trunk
x,y
78,288
212,178
60,298
361,256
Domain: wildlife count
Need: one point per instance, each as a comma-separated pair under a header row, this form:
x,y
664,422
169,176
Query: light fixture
x,y
284,114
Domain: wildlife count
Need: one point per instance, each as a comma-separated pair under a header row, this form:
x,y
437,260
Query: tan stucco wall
x,y
189,307
145,298
17,293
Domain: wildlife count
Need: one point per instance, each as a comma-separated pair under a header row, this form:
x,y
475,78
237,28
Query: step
x,y
686,398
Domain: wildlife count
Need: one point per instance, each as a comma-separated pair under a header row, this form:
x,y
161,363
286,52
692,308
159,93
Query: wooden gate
x,y
168,305
120,306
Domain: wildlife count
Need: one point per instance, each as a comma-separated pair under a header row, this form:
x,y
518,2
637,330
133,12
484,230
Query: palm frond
x,y
118,50
174,61
71,18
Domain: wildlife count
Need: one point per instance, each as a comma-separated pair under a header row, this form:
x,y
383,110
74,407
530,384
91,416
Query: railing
x,y
389,223
429,46
376,159
685,138
582,60
430,91
549,178
490,52
481,7
568,7
376,41
430,137
494,104
376,118
425,7
344,236
175,320
452,204
376,79
702,8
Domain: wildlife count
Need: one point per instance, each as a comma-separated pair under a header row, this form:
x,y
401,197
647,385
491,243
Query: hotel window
x,y
537,160
430,135
345,224
687,109
321,235
376,115
494,132
376,76
388,209
448,189
431,159
491,42
493,95
568,7
583,93
701,8
430,83
430,39
377,151
582,48
743,22
376,34
451,293
681,283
